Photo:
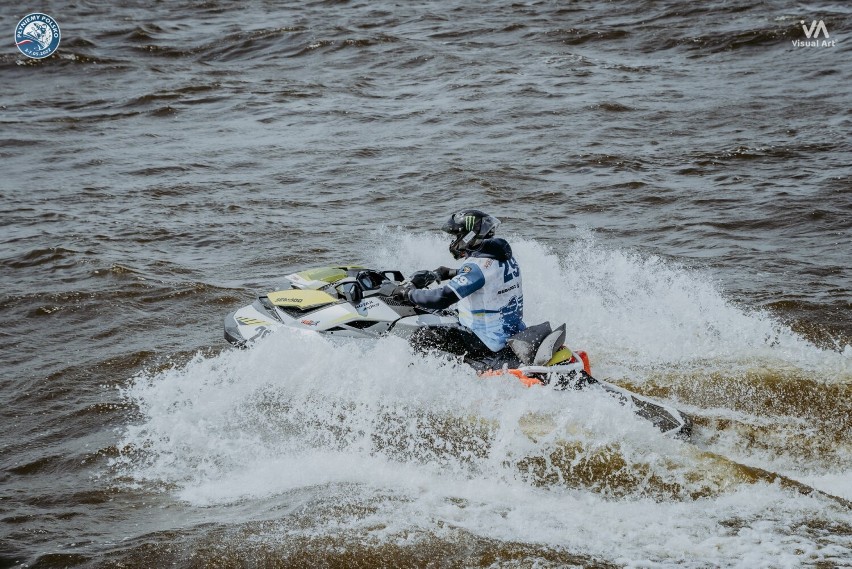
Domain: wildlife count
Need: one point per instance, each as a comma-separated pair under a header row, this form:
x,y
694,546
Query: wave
x,y
578,36
55,257
416,446
724,41
293,397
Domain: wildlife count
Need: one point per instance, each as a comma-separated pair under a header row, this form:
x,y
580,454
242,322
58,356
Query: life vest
x,y
490,291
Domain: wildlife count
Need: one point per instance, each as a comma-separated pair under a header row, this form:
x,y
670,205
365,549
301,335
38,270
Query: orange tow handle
x,y
587,367
525,379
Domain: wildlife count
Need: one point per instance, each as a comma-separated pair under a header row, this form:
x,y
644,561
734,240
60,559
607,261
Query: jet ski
x,y
357,302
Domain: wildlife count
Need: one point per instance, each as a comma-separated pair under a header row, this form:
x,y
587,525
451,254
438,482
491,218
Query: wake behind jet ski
x,y
358,302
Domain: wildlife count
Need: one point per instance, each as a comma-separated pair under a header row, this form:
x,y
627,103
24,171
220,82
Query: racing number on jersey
x,y
510,270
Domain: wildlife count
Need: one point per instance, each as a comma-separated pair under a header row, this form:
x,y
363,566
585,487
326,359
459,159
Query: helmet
x,y
470,227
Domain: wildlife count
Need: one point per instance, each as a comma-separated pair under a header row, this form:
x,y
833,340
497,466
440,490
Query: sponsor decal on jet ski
x,y
367,305
252,321
303,299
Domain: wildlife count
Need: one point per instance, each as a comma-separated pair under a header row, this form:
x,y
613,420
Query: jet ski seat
x,y
537,345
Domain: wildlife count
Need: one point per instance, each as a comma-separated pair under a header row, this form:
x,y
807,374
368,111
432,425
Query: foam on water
x,y
432,449
294,394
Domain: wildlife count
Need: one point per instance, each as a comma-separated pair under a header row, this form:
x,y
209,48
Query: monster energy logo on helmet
x,y
471,227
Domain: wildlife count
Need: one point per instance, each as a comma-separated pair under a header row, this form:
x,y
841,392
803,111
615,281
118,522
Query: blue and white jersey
x,y
491,299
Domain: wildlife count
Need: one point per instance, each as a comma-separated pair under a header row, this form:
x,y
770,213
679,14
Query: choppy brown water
x,y
675,179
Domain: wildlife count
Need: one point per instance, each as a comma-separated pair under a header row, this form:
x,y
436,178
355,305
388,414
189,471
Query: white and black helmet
x,y
470,228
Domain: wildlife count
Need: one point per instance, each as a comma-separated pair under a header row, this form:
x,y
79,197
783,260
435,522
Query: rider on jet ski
x,y
487,288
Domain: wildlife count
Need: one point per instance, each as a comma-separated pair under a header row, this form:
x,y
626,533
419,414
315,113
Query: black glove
x,y
401,292
422,279
445,273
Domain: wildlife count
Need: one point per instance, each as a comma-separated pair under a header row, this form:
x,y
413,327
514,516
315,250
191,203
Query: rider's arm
x,y
468,280
438,298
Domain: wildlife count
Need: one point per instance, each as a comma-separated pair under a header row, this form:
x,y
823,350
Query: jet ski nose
x,y
232,331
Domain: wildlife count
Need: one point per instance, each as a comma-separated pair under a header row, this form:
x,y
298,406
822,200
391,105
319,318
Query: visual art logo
x,y
37,35
815,26
812,33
